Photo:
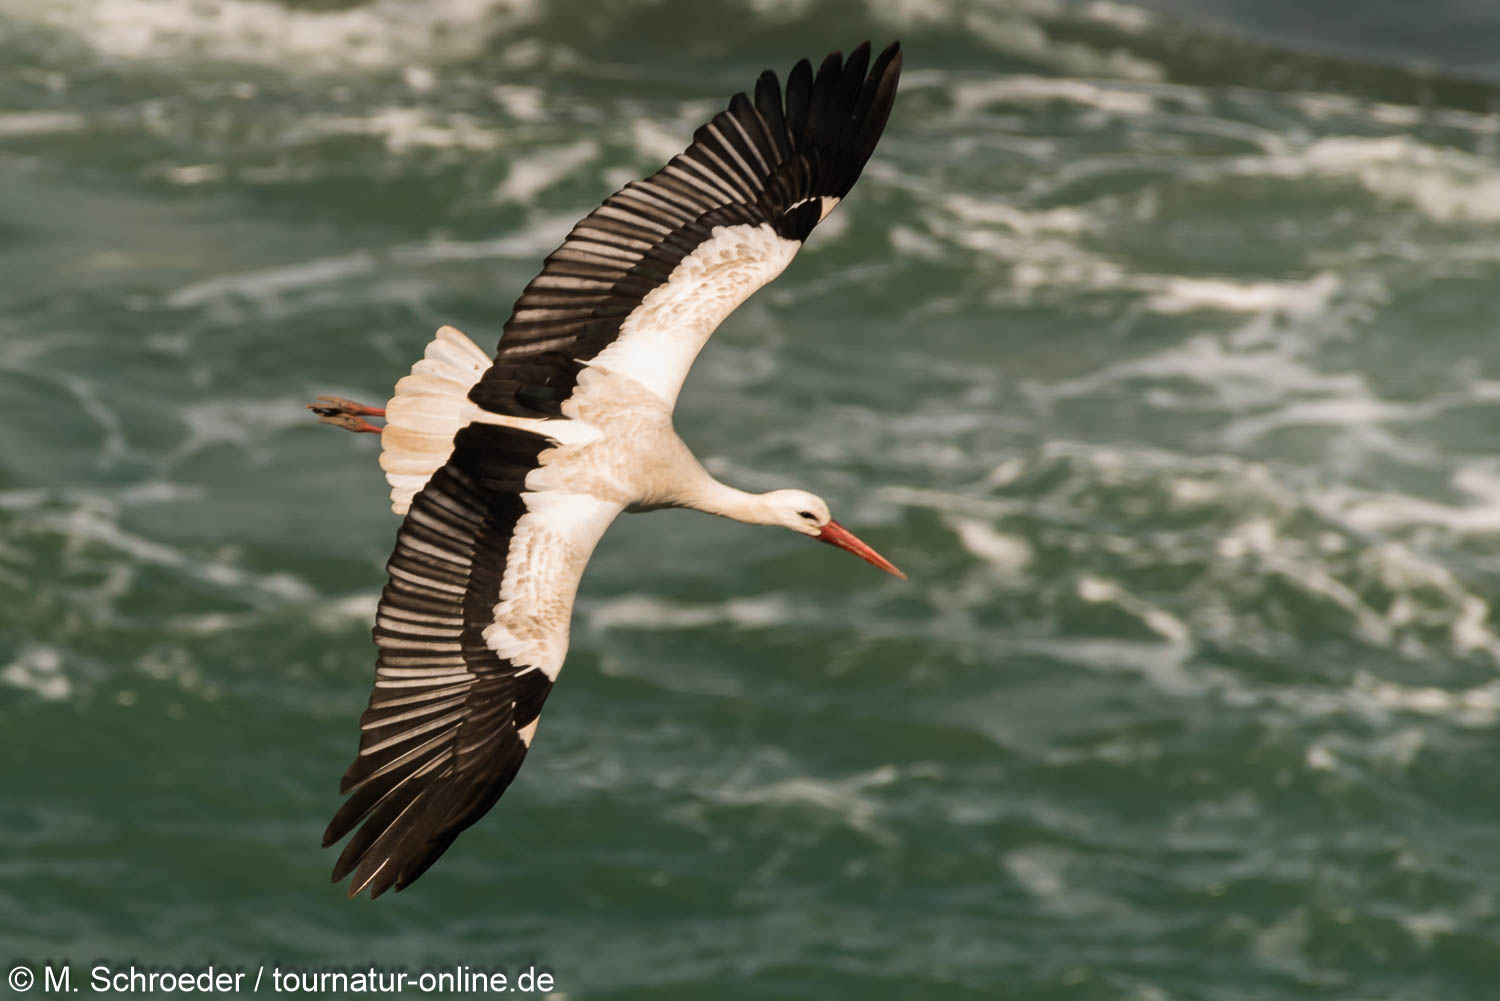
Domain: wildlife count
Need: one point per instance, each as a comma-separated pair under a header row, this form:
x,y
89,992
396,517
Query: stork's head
x,y
807,514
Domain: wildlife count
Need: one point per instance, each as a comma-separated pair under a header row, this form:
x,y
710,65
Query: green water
x,y
1161,355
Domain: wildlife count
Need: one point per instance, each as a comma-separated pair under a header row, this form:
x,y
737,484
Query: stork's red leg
x,y
346,414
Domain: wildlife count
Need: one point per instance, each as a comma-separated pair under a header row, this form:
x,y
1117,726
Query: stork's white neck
x,y
704,493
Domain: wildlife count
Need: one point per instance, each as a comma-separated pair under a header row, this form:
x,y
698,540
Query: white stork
x,y
509,471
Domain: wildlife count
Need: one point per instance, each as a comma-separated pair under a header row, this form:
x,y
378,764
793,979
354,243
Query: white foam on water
x,y
1384,511
1043,250
1381,592
1429,926
1049,265
270,283
1264,374
144,492
988,508
1395,596
192,174
1470,632
780,10
419,79
657,140
269,288
1446,185
1039,870
233,578
15,124
1300,300
1158,620
1398,750
1163,664
1322,106
522,103
1428,593
39,670
1067,219
210,623
96,523
24,499
1008,554
381,34
249,424
1239,379
641,612
1320,758
1391,752
542,169
973,95
402,129
1477,707
845,800
1119,15
1008,28
910,243
1351,412
1259,540
1282,944
1042,871
340,613
542,234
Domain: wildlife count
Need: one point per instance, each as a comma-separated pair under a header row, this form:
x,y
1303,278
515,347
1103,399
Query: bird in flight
x,y
509,470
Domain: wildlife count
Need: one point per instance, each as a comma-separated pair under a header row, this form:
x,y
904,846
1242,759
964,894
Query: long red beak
x,y
837,535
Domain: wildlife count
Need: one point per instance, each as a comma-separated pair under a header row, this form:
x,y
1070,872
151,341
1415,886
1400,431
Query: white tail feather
x,y
430,406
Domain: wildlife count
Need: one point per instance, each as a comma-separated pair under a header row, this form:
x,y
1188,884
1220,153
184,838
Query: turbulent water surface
x,y
1160,352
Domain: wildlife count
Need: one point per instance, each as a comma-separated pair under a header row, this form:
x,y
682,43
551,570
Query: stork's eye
x,y
808,515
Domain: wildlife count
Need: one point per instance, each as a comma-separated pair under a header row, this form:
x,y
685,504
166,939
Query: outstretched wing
x,y
472,629
472,626
641,282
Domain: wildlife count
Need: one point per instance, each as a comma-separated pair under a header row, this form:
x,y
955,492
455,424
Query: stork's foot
x,y
346,414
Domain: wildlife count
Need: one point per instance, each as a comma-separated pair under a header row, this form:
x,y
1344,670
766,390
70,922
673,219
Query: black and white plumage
x,y
509,473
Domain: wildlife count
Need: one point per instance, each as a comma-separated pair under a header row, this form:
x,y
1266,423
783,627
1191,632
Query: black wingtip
x,y
822,133
889,60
